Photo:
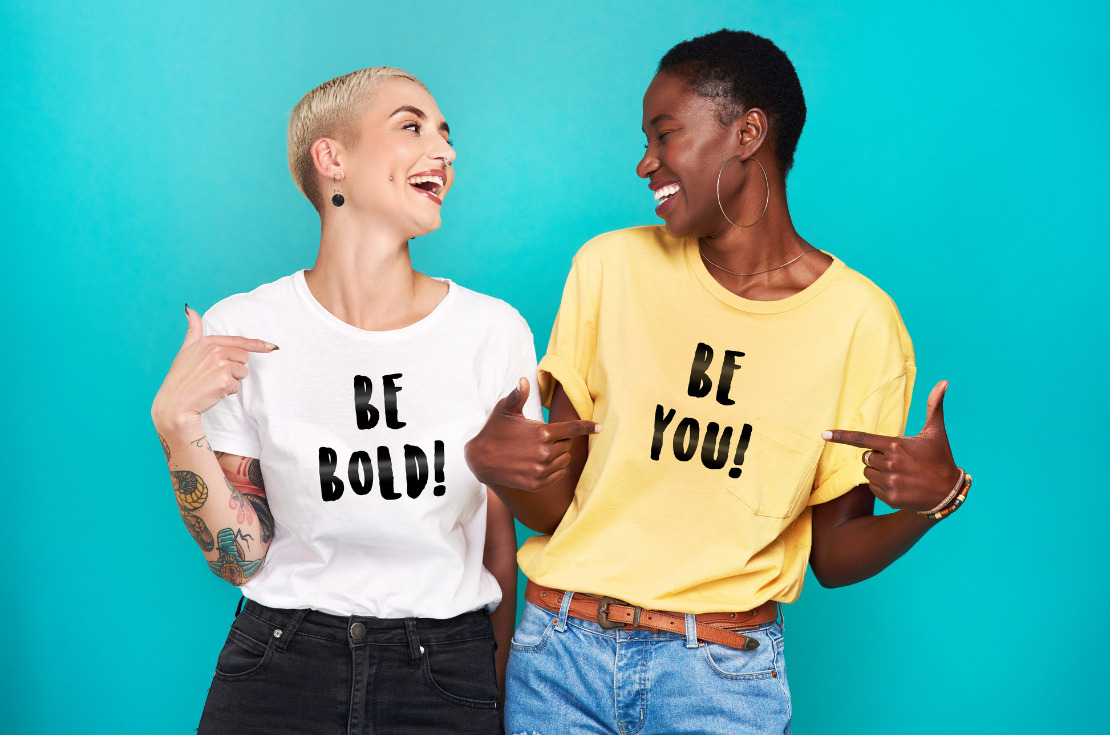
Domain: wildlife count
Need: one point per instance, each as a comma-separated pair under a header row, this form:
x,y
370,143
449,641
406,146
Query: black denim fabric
x,y
296,671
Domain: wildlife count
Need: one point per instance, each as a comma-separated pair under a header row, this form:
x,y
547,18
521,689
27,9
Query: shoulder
x,y
247,307
641,245
878,324
488,311
856,289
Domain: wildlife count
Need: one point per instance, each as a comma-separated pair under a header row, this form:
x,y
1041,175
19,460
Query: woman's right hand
x,y
205,371
512,451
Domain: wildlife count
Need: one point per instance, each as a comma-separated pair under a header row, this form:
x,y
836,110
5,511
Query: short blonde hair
x,y
331,110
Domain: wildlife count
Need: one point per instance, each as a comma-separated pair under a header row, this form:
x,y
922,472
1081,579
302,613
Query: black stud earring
x,y
337,198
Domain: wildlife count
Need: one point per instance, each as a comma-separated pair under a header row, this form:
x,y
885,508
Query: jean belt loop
x,y
239,607
284,635
564,610
691,631
415,649
782,616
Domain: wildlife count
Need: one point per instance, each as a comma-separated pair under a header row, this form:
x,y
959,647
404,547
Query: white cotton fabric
x,y
364,554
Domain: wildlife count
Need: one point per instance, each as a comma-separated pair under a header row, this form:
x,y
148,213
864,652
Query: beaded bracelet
x,y
944,503
950,509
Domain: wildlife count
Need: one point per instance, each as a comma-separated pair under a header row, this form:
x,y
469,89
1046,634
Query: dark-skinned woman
x,y
717,351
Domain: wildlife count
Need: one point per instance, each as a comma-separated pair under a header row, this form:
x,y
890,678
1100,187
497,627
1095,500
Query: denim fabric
x,y
297,671
571,676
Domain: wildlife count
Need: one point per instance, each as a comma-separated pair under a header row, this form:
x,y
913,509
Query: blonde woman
x,y
327,478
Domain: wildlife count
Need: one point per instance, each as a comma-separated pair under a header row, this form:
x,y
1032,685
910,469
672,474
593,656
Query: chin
x,y
425,227
677,228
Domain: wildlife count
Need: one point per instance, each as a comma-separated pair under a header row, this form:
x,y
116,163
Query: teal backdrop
x,y
955,152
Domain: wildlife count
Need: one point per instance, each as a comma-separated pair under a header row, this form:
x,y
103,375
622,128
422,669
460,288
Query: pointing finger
x,y
515,401
934,411
243,343
570,429
196,327
859,439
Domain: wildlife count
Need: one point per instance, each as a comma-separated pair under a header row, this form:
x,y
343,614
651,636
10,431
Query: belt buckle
x,y
603,613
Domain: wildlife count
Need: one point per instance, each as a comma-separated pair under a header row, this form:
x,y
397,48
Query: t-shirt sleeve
x,y
883,411
521,363
573,345
228,425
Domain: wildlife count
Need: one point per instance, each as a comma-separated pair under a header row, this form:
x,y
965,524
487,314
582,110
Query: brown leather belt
x,y
612,613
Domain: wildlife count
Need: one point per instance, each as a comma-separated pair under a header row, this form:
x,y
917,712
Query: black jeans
x,y
302,671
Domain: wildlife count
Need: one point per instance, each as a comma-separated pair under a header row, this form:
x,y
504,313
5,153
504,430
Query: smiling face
x,y
402,135
686,145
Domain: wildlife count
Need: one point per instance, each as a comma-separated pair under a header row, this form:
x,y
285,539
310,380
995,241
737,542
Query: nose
x,y
443,151
648,164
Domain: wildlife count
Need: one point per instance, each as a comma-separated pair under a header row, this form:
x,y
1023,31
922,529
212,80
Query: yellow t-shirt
x,y
696,496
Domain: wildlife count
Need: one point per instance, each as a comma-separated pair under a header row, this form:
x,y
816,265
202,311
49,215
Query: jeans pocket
x,y
764,662
463,672
536,625
247,650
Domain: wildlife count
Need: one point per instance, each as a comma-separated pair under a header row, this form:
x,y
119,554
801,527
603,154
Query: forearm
x,y
499,557
862,547
231,527
539,510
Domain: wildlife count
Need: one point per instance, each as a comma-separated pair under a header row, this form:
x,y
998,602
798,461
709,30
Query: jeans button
x,y
358,631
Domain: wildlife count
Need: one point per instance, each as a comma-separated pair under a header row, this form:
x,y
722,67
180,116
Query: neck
x,y
768,243
365,278
761,251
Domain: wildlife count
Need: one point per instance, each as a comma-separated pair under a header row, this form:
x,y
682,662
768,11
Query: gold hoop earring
x,y
337,197
766,201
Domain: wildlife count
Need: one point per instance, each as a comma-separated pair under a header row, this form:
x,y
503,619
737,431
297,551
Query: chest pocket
x,y
777,474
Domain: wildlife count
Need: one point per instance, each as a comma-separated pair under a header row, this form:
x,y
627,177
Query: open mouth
x,y
430,183
663,193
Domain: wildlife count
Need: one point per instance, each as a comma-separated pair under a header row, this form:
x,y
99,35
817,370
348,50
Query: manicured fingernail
x,y
272,346
597,428
186,308
826,435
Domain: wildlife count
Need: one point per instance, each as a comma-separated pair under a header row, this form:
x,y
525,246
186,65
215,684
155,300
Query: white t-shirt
x,y
360,437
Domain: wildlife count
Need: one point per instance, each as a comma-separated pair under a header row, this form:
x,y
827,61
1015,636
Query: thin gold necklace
x,y
777,267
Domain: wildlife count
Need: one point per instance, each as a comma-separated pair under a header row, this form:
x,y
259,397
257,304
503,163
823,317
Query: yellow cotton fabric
x,y
676,532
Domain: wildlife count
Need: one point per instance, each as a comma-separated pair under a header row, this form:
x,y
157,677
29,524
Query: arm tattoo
x,y
254,474
244,537
197,443
231,566
165,448
199,529
192,493
248,497
189,488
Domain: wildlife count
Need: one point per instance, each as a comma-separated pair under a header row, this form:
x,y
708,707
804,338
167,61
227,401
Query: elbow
x,y
827,574
540,526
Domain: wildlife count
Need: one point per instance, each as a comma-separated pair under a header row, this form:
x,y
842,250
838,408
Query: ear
x,y
751,131
327,157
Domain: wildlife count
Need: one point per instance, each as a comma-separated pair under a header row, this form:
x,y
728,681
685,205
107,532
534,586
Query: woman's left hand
x,y
908,472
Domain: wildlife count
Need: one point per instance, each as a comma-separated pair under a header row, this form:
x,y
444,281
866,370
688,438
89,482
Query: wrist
x,y
952,502
172,425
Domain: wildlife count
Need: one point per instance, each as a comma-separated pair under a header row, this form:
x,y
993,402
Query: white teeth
x,y
666,191
437,180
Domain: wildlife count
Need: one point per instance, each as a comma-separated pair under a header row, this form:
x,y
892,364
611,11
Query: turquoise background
x,y
955,152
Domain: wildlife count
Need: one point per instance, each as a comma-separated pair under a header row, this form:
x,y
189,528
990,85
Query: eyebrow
x,y
420,114
659,118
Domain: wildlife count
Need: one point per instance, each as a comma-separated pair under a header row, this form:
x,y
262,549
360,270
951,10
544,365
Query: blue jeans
x,y
303,671
572,676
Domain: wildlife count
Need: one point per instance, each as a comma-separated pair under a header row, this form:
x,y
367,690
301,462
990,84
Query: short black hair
x,y
742,70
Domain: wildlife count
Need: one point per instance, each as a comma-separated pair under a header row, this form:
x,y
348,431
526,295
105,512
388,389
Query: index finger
x,y
570,429
861,439
245,343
